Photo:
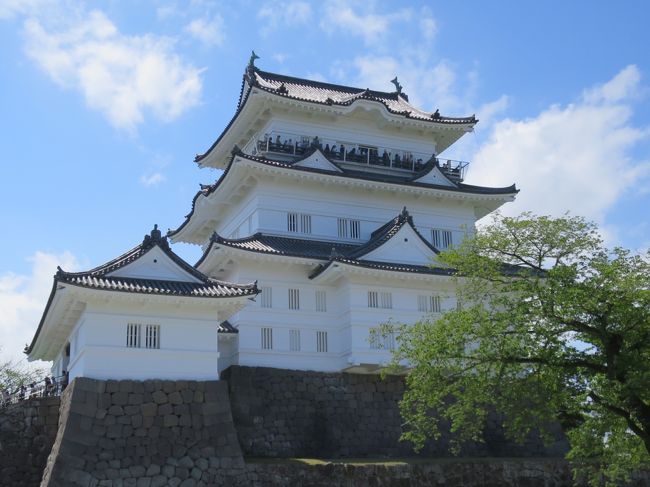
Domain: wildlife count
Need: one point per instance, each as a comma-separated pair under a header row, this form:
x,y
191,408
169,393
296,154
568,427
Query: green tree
x,y
553,327
14,374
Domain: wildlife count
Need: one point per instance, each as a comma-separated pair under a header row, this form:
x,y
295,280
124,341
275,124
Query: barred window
x,y
267,297
321,301
441,239
429,304
294,340
373,299
292,222
321,341
152,336
305,223
267,338
133,335
298,223
349,228
380,299
294,298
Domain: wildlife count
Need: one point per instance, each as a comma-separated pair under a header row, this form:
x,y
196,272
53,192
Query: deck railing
x,y
294,145
50,387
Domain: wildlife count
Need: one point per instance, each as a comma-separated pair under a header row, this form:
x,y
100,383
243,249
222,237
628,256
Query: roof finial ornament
x,y
251,61
155,233
398,86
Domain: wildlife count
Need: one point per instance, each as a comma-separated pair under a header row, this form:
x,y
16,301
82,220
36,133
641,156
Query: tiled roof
x,y
287,246
209,289
98,277
332,94
383,266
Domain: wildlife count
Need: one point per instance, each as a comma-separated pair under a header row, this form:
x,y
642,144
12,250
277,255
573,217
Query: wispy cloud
x,y
13,8
341,17
121,76
152,179
23,297
277,14
575,157
209,32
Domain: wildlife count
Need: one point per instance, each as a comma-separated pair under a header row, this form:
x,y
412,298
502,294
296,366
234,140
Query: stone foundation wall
x,y
507,473
27,432
284,413
143,434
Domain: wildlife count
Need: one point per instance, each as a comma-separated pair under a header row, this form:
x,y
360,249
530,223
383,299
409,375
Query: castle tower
x,y
336,200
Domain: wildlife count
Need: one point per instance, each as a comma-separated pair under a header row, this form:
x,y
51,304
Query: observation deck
x,y
285,146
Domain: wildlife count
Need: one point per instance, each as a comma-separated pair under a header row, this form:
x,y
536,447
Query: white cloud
x,y
23,299
428,85
210,33
13,8
121,76
152,179
575,157
279,57
288,14
489,110
339,17
428,25
620,87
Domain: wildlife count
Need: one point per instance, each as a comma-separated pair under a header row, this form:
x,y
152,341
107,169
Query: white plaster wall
x,y
188,342
348,318
267,212
155,264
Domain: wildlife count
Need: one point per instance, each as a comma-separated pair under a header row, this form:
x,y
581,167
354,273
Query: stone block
x,y
149,409
120,398
175,398
90,385
116,410
114,431
165,409
159,397
137,471
170,420
144,482
159,481
135,398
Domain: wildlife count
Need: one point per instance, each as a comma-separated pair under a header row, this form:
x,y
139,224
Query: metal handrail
x,y
38,389
288,144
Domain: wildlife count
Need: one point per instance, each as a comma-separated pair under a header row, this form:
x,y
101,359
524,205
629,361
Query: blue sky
x,y
104,104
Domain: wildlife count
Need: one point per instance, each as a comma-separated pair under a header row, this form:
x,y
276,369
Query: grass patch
x,y
390,461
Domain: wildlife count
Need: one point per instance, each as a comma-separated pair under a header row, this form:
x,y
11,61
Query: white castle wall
x,y
188,342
